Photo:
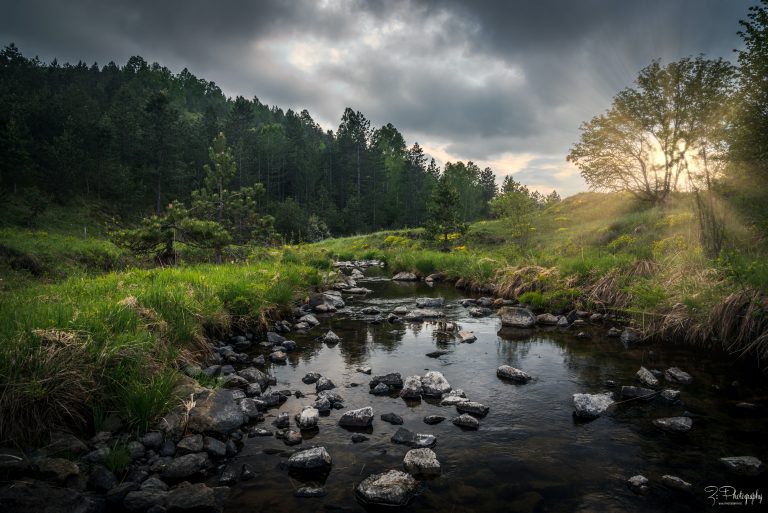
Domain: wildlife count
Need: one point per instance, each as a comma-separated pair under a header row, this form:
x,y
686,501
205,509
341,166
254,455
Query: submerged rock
x,y
315,459
631,338
638,484
676,375
674,424
434,384
466,336
421,462
647,378
380,389
391,488
430,302
392,418
423,313
591,406
643,393
331,338
744,465
676,483
365,369
517,317
466,421
311,377
512,374
360,418
433,419
310,492
614,332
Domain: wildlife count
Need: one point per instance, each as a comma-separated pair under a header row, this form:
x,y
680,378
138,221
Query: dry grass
x,y
512,282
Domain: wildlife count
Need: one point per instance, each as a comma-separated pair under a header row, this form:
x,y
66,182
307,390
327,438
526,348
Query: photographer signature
x,y
730,496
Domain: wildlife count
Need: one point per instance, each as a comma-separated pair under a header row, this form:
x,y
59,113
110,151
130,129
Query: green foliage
x,y
117,459
444,215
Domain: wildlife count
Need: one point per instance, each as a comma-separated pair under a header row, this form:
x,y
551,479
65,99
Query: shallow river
x,y
529,454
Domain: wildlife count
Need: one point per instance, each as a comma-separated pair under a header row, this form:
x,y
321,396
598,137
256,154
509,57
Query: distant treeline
x,y
137,137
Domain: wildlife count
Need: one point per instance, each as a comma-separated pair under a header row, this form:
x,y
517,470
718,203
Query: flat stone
x,y
310,492
676,483
57,469
433,419
421,462
466,336
744,465
547,319
392,380
670,395
473,408
430,302
392,418
639,392
217,413
676,375
512,374
185,466
405,276
674,424
438,353
647,378
189,444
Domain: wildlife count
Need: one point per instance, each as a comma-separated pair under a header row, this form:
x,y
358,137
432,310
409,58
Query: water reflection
x,y
529,454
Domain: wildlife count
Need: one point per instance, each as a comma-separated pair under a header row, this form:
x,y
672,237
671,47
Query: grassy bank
x,y
74,352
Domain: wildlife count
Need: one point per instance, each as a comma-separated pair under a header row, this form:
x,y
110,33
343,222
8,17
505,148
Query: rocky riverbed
x,y
413,394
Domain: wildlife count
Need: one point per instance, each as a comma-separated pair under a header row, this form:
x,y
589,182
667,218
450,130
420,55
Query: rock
x,y
101,479
116,494
400,310
434,384
194,498
254,375
332,397
391,488
370,310
359,418
261,432
583,335
308,418
405,276
473,408
403,436
614,332
640,392
67,444
259,360
143,500
676,375
411,388
253,390
744,465
154,483
562,322
252,408
438,353
189,444
596,317
420,314
479,311
217,413
466,421
168,448
364,370
152,440
591,406
278,356
421,462
433,419
631,338
185,466
328,301
453,400
670,395
310,492
547,319
517,317
289,345
392,380
283,420
315,459
324,384
674,424
676,483
392,418
647,378
512,374
424,440
311,377
136,449
331,338
356,274
97,456
380,389
309,319
638,484
430,302
57,469
246,472
291,437
358,437
466,336
214,448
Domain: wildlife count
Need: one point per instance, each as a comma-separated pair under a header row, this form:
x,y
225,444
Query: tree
x,y
641,144
516,206
444,218
222,171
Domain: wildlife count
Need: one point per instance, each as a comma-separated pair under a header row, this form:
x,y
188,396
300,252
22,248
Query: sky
x,y
504,84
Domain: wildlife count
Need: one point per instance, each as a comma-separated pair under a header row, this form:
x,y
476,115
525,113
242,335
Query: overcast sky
x,y
505,84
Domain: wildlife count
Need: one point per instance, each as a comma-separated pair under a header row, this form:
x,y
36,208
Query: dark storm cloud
x,y
481,80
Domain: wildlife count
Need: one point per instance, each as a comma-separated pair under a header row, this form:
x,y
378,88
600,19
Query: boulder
x,y
185,466
517,317
315,459
291,437
421,462
674,424
309,319
676,375
324,384
380,389
405,276
647,378
466,421
473,408
433,419
434,384
308,418
411,388
278,356
614,332
331,338
360,418
466,336
215,448
189,444
152,440
562,321
479,311
512,374
744,465
638,484
547,319
311,377
217,413
591,406
392,418
391,488
647,394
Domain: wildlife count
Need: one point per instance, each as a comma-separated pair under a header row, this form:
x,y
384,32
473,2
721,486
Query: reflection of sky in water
x,y
529,454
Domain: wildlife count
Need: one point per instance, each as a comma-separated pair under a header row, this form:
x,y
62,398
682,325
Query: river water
x,y
529,454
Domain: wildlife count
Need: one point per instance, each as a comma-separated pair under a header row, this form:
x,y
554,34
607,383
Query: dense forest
x,y
137,137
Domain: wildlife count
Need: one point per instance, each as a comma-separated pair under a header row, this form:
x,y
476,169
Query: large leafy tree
x,y
642,143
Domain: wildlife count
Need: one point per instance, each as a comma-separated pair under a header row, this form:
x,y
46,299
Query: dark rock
x,y
676,375
331,338
744,465
647,378
642,393
310,492
670,395
229,476
154,483
315,459
638,484
392,418
512,374
547,319
195,498
101,479
283,421
311,377
116,494
411,388
357,438
392,380
516,317
674,424
380,389
676,483
217,413
215,448
189,444
246,472
292,438
142,500
473,408
631,338
168,448
614,332
359,418
57,469
185,466
479,311
324,384
433,419
466,421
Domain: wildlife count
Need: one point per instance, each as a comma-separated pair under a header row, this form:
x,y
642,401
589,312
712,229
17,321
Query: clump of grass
x,y
117,459
142,399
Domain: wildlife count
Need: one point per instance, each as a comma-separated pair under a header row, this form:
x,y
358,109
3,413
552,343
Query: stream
x,y
530,454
